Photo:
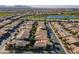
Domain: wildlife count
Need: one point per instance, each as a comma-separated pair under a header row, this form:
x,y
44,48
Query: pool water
x,y
62,16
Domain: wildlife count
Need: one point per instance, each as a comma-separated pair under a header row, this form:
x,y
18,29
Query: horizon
x,y
45,6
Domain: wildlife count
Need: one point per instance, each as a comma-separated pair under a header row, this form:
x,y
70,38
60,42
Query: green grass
x,y
34,17
3,14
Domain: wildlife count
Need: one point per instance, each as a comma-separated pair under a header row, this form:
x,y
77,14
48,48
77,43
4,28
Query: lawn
x,y
3,14
34,17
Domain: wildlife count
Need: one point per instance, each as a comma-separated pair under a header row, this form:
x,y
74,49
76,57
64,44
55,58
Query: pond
x,y
62,16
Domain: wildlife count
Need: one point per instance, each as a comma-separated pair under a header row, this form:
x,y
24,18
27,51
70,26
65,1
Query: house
x,y
71,39
74,49
2,32
41,43
20,42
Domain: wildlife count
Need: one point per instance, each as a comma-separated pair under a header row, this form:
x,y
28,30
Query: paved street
x,y
57,43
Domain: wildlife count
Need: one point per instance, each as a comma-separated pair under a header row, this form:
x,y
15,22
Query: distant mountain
x,y
16,6
13,8
22,6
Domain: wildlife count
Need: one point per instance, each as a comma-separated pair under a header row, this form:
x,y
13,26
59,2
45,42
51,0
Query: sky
x,y
38,2
35,3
